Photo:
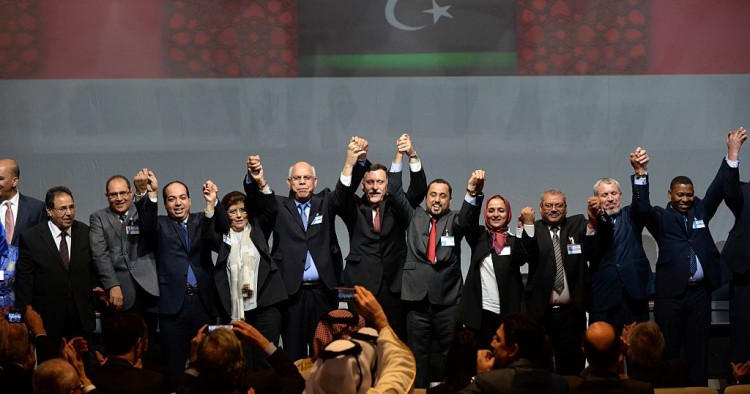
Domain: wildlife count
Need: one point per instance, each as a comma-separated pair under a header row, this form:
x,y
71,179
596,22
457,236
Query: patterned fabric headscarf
x,y
498,234
336,324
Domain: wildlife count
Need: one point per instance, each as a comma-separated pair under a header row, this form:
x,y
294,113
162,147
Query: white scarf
x,y
242,267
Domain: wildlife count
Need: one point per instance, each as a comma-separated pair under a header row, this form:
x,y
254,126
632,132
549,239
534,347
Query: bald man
x,y
602,348
305,246
25,212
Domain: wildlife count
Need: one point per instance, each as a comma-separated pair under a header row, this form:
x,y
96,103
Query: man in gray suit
x,y
123,260
432,280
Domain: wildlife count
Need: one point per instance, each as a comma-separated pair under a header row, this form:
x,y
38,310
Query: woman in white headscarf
x,y
247,279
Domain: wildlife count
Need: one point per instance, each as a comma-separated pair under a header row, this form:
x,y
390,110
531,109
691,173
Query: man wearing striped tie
x,y
558,286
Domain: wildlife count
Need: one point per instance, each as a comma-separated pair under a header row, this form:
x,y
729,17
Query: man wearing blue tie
x,y
687,270
306,249
183,261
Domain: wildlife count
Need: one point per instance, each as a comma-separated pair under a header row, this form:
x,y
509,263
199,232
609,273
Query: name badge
x,y
574,249
132,230
505,251
697,223
318,219
2,275
228,239
447,240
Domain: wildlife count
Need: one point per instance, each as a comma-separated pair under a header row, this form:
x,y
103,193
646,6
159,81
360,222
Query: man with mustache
x,y
688,266
557,290
432,279
620,270
378,234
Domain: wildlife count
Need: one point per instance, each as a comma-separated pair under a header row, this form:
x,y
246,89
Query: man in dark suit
x,y
18,212
557,290
378,235
620,270
736,251
687,269
602,348
126,268
306,249
125,337
55,270
432,279
515,364
183,261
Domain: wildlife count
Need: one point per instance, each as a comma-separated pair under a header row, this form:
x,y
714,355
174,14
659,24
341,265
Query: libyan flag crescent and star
x,y
41,39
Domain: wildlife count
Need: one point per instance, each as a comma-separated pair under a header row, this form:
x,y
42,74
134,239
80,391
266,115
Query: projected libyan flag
x,y
407,37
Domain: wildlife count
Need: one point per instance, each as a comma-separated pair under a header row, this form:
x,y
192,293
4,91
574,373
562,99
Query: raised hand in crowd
x,y
475,185
249,335
639,161
735,139
356,150
210,194
369,308
145,181
255,170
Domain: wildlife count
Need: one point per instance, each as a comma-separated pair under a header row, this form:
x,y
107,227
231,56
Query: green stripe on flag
x,y
415,61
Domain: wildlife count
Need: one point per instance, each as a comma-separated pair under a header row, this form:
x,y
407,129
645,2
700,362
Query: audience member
x,y
350,366
461,363
741,372
63,375
514,365
125,338
602,348
644,358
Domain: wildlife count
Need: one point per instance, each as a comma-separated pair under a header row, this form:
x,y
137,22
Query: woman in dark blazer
x,y
247,279
493,286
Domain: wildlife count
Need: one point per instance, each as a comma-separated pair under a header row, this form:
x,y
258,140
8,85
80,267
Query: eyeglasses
x,y
297,178
114,195
62,210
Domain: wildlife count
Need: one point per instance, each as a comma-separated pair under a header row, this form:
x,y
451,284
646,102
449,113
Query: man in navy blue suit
x,y
736,252
18,212
620,270
184,267
687,269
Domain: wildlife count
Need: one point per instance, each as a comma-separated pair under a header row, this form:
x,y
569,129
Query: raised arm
x,y
468,216
351,174
731,187
641,209
261,200
215,218
417,179
145,180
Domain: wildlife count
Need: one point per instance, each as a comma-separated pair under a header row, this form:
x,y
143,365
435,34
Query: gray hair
x,y
606,181
553,191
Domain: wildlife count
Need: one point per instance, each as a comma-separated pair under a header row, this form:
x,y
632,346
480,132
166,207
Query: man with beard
x,y
378,235
620,270
516,359
687,270
558,286
432,280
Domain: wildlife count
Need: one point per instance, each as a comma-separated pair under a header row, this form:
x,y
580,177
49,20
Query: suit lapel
x,y
178,231
114,221
21,218
315,204
46,235
291,206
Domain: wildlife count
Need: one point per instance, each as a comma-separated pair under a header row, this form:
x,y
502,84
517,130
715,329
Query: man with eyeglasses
x,y
54,272
306,249
377,235
126,267
558,287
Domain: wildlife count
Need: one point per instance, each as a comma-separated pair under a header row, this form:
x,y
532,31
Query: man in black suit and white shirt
x,y
378,235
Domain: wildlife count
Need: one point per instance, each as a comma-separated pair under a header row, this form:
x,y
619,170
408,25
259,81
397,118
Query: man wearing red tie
x,y
432,280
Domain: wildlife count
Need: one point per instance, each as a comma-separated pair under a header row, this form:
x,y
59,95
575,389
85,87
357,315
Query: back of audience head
x,y
220,360
601,345
646,344
461,362
346,366
123,333
19,346
519,336
56,376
